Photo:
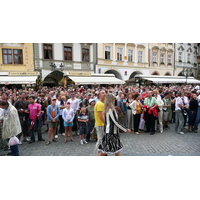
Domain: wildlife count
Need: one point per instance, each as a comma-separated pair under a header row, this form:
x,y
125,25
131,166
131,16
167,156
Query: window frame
x,y
169,58
106,52
162,58
12,56
48,49
130,55
68,51
17,55
119,54
154,57
140,56
84,54
180,55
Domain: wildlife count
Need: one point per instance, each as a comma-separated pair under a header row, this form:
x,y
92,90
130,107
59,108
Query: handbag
x,y
13,141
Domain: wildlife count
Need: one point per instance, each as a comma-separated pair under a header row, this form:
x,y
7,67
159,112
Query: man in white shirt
x,y
74,102
179,115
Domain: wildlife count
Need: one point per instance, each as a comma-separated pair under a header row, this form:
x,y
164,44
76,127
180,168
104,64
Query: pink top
x,y
33,110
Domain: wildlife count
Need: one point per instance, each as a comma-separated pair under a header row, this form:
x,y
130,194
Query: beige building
x,y
161,59
16,64
124,60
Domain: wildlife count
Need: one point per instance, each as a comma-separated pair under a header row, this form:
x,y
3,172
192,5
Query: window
x,y
169,59
18,56
107,53
119,54
130,55
139,56
67,53
48,52
154,57
180,56
12,54
7,56
189,57
162,58
85,55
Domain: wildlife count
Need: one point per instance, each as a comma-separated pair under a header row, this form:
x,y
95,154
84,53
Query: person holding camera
x,y
179,110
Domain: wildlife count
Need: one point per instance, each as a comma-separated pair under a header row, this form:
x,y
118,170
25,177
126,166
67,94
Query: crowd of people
x,y
100,113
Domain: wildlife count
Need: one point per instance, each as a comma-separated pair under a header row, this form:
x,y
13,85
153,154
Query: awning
x,y
173,80
17,79
89,80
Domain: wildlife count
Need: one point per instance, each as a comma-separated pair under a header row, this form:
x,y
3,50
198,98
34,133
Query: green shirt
x,y
150,101
91,113
166,103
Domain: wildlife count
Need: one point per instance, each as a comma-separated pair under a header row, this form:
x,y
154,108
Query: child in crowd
x,y
83,120
68,117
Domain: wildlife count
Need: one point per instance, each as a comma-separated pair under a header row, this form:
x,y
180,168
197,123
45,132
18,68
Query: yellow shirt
x,y
99,107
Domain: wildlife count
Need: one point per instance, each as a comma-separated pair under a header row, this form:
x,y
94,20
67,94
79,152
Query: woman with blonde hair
x,y
111,143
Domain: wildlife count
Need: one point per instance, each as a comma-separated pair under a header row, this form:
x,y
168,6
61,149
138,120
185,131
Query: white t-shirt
x,y
178,101
1,113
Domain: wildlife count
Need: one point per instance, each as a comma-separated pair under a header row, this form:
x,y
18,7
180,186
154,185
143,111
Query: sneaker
x,y
84,141
56,136
63,134
81,142
195,130
20,142
181,133
26,140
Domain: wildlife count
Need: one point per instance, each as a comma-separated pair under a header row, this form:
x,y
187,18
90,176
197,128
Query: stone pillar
x,y
125,54
114,55
158,58
136,56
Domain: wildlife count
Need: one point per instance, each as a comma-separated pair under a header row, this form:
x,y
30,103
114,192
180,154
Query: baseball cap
x,y
68,103
90,100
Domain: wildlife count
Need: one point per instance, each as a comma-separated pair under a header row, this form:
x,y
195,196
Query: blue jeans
x,y
14,149
38,126
90,128
196,123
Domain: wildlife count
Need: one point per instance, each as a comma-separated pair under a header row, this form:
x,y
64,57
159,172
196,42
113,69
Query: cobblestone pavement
x,y
161,144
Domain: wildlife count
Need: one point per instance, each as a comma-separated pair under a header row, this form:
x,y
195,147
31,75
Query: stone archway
x,y
155,73
116,73
134,74
167,74
53,78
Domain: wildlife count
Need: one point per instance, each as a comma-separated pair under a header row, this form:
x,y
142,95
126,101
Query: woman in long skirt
x,y
111,143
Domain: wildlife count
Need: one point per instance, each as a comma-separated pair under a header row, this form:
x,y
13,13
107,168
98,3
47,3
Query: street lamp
x,y
187,72
53,66
61,67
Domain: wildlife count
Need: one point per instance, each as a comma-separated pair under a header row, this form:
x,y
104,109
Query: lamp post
x,y
61,67
187,72
53,66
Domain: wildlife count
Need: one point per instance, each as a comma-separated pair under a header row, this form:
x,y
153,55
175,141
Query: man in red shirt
x,y
34,114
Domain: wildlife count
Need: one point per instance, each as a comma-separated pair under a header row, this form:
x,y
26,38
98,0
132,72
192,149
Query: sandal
x,y
48,143
54,140
65,141
73,140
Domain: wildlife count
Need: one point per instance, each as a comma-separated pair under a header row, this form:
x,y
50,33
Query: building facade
x,y
161,59
124,60
16,64
55,60
198,60
186,59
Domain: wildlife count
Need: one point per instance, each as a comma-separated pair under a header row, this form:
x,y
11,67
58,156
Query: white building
x,y
55,60
185,59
